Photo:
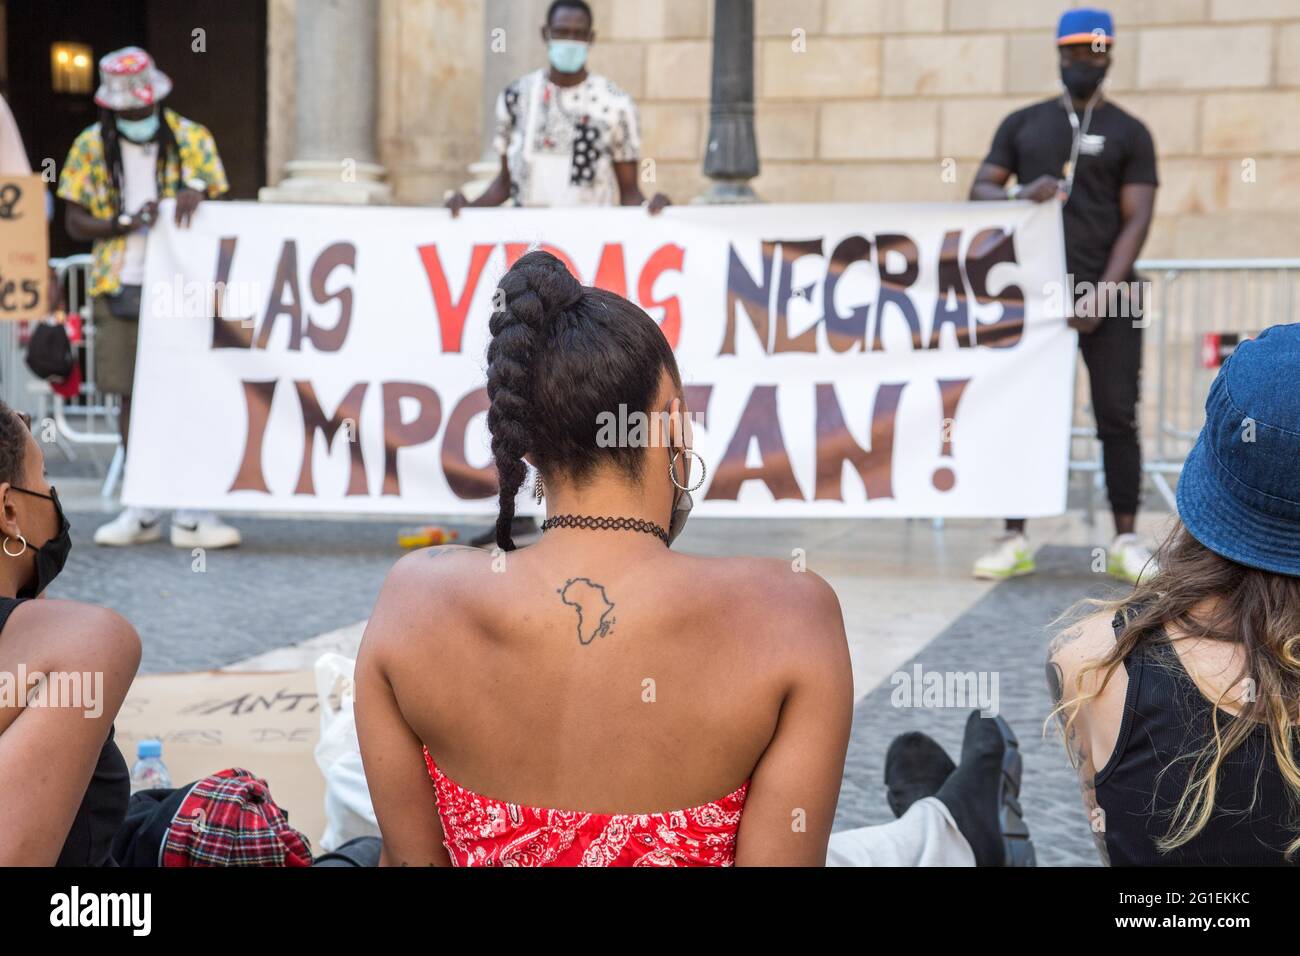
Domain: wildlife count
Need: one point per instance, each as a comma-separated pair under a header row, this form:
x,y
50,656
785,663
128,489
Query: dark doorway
x,y
219,76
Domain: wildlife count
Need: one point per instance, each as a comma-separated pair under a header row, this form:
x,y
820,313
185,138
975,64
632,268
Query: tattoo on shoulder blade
x,y
593,606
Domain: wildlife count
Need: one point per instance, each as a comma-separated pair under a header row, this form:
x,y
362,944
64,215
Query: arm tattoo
x,y
593,606
1080,758
1067,636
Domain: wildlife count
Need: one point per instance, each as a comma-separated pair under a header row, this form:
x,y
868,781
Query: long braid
x,y
536,289
168,151
112,157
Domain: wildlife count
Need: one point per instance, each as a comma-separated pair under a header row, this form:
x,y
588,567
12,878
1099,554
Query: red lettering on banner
x,y
611,272
663,259
451,315
610,275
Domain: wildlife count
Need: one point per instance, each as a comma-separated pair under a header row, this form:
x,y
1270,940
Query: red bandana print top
x,y
480,831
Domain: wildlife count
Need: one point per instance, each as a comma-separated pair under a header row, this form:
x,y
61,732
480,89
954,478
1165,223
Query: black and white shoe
x,y
132,526
203,531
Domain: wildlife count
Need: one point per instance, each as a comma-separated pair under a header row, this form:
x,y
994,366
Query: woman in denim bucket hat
x,y
1180,705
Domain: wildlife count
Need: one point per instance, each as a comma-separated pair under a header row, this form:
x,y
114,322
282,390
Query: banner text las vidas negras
x,y
893,257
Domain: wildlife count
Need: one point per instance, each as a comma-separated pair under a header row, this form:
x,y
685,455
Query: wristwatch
x,y
198,185
124,221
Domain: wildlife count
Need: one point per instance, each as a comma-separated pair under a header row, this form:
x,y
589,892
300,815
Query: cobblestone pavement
x,y
1005,632
289,581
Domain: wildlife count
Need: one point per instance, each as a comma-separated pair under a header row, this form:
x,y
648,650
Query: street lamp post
x,y
731,157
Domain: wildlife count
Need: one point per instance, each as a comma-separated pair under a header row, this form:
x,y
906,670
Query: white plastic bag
x,y
348,811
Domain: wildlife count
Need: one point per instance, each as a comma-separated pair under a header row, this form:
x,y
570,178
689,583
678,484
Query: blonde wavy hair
x,y
1206,596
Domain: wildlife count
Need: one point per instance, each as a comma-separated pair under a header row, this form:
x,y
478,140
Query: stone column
x,y
731,157
336,159
511,47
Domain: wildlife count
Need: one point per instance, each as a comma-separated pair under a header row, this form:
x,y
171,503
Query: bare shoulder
x,y
425,585
1073,652
73,627
445,562
777,597
1087,640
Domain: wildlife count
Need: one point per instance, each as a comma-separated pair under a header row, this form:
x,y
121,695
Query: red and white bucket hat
x,y
129,80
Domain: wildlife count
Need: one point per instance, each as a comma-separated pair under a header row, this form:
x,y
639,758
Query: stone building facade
x,y
857,100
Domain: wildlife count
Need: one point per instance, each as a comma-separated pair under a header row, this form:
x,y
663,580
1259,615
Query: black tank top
x,y
103,808
1166,717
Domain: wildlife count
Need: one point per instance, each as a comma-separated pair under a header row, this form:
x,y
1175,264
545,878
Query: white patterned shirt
x,y
561,142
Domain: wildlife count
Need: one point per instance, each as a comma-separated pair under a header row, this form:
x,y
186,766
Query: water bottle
x,y
149,772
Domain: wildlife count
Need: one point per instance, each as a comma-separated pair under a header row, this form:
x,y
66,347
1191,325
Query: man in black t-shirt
x,y
1083,150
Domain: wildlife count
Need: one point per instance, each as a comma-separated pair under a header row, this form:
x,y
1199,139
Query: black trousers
x,y
1113,355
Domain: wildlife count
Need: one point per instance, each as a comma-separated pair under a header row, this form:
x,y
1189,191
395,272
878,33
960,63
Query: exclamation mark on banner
x,y
950,391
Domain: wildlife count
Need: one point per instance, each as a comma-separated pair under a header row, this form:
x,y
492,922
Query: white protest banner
x,y
840,360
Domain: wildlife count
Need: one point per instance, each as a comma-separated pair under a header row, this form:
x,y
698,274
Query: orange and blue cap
x,y
1085,25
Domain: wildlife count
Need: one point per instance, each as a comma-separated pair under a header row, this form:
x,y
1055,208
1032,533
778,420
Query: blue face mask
x,y
567,56
141,130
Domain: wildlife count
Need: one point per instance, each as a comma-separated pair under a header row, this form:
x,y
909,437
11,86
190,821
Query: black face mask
x,y
1082,79
53,554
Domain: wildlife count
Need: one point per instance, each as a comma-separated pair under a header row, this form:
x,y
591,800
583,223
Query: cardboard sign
x,y
24,248
266,723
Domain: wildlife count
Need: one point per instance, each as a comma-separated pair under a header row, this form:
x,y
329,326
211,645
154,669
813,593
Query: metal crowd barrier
x,y
1195,307
89,418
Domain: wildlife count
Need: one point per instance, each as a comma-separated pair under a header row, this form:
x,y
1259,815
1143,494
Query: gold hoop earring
x,y
13,554
538,490
672,469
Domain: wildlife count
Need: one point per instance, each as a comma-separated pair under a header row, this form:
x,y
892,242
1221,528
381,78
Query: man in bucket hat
x,y
118,169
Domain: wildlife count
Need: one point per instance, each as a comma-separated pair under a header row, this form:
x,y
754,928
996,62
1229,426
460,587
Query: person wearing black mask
x,y
63,782
1081,149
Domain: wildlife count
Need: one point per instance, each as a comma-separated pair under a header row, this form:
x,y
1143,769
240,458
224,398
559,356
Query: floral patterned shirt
x,y
85,180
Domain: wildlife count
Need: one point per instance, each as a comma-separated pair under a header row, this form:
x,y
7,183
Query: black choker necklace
x,y
601,523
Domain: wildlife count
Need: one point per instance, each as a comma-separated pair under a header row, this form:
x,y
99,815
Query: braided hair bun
x,y
561,354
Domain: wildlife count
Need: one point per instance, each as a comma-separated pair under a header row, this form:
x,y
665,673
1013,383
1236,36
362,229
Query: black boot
x,y
982,794
915,767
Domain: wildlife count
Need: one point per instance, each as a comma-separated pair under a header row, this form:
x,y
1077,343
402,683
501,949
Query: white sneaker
x,y
1130,559
132,526
203,531
1009,558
